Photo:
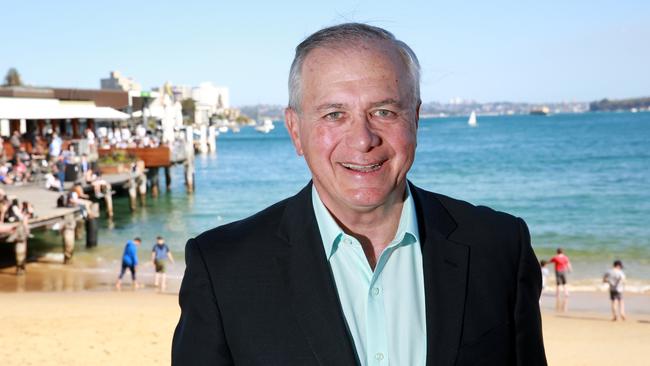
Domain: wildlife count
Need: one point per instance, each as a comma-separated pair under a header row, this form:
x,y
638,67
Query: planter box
x,y
153,157
114,168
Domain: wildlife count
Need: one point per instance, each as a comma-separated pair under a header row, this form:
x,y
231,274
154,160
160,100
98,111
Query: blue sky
x,y
495,50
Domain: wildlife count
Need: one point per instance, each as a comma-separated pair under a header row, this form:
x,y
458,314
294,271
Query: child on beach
x,y
159,254
130,261
544,269
615,277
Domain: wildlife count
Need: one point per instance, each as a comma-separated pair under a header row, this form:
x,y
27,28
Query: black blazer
x,y
260,291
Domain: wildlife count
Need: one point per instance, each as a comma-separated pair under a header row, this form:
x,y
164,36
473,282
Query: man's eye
x,y
334,116
383,113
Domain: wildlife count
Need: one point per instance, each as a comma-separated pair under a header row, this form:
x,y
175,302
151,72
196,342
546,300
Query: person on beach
x,y
361,267
544,269
562,269
129,261
615,277
160,253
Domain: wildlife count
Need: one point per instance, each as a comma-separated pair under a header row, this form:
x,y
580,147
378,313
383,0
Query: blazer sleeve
x,y
199,338
528,321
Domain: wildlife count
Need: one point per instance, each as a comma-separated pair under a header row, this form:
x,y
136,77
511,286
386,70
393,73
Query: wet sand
x,y
61,317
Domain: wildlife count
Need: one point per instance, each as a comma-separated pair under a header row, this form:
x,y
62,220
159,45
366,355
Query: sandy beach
x,y
101,326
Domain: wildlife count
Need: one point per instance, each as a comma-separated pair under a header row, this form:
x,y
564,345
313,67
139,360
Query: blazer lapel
x,y
445,265
311,285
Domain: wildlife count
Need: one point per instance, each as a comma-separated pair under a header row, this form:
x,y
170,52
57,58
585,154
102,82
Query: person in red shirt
x,y
562,268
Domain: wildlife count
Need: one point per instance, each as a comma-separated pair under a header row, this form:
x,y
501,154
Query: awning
x,y
35,108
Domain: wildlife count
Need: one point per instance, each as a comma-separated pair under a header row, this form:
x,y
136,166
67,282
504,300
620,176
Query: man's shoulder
x,y
479,227
463,212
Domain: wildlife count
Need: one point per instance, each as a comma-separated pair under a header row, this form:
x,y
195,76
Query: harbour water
x,y
581,181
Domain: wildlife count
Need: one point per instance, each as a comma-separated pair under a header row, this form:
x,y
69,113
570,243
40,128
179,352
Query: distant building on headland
x,y
117,81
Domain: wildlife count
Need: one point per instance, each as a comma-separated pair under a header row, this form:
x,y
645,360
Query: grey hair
x,y
344,34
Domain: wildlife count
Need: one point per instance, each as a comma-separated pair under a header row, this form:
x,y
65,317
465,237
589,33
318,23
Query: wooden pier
x,y
46,215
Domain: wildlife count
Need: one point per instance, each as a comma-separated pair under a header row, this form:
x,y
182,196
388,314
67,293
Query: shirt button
x,y
376,291
379,356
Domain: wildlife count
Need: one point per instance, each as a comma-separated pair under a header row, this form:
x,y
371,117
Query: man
x,y
615,278
562,269
130,262
360,267
159,254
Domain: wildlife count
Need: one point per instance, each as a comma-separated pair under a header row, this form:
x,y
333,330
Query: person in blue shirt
x,y
130,261
159,254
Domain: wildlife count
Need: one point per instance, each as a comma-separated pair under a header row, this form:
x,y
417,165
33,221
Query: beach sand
x,y
101,326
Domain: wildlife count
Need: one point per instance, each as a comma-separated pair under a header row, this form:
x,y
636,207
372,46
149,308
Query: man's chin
x,y
366,198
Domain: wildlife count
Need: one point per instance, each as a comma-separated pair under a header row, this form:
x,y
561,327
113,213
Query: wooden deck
x,y
44,202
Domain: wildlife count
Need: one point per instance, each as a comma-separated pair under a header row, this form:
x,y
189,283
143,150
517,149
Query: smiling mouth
x,y
362,168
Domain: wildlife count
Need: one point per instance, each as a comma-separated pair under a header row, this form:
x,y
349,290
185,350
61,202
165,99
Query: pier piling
x,y
92,226
168,178
189,175
108,200
21,248
78,229
152,177
133,192
67,232
141,182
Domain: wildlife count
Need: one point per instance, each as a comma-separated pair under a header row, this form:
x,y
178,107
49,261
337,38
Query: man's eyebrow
x,y
389,101
326,106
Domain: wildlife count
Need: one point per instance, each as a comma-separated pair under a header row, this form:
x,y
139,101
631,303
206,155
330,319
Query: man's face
x,y
357,125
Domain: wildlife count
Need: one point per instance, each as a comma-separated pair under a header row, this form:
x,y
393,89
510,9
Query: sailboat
x,y
472,120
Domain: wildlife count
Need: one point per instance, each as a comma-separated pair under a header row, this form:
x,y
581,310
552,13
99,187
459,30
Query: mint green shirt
x,y
384,309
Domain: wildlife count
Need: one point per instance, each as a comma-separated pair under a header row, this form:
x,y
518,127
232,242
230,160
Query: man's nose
x,y
361,136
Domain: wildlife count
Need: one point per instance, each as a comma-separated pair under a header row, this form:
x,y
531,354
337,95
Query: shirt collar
x,y
331,232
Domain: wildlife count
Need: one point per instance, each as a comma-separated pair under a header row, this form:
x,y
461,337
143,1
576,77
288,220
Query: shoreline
x,y
55,277
102,273
108,327
589,296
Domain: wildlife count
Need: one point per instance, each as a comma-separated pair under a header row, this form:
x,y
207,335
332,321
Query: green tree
x,y
189,107
13,78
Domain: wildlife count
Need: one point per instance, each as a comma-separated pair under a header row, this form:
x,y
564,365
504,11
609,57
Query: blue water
x,y
580,181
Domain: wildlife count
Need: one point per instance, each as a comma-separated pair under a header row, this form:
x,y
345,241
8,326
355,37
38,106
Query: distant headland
x,y
460,107
632,104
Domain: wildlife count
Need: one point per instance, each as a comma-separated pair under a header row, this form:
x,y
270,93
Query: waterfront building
x,y
41,111
209,100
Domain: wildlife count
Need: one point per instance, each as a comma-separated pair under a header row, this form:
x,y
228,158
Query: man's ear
x,y
417,113
292,123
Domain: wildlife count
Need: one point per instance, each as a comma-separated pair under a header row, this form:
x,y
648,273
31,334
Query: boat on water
x,y
265,126
543,111
472,120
